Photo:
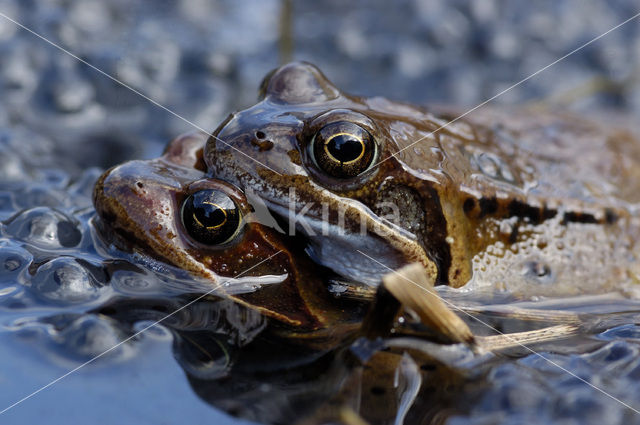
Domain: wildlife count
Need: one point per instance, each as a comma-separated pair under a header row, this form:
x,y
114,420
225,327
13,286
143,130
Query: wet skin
x,y
499,200
502,197
139,207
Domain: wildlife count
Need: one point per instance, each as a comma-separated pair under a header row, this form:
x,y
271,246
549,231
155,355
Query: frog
x,y
521,200
169,210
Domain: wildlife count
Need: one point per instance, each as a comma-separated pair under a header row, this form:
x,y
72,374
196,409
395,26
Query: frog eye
x,y
211,217
343,149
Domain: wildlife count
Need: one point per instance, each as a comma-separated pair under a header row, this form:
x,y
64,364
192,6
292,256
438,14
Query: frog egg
x,y
72,95
91,16
89,336
64,280
133,283
44,228
38,195
12,261
12,169
19,76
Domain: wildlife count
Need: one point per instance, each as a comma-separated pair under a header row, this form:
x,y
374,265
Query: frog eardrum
x,y
211,217
343,149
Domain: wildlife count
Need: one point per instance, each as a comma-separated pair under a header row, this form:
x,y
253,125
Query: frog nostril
x,y
260,135
262,145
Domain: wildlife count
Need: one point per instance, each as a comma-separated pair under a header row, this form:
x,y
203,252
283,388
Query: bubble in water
x,y
45,228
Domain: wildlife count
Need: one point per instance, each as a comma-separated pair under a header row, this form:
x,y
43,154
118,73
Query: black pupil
x,y
345,147
210,215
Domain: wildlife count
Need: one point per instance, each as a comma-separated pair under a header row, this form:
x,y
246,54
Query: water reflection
x,y
237,362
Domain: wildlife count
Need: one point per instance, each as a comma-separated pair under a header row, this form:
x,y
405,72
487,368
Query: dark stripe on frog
x,y
610,217
535,214
487,206
490,206
434,241
577,217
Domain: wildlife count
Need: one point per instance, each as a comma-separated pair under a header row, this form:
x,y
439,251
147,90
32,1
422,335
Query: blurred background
x,y
203,59
62,123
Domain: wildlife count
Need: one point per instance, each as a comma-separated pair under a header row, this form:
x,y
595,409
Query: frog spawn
x,y
39,270
49,266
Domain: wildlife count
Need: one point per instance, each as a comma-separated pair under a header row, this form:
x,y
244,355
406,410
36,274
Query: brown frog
x,y
167,208
170,209
504,198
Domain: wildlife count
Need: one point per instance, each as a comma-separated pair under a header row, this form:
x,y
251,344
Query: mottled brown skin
x,y
494,179
138,208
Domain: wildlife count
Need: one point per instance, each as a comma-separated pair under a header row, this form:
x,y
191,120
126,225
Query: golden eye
x,y
211,217
343,149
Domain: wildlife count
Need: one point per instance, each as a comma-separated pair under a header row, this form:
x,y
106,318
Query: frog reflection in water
x,y
534,202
